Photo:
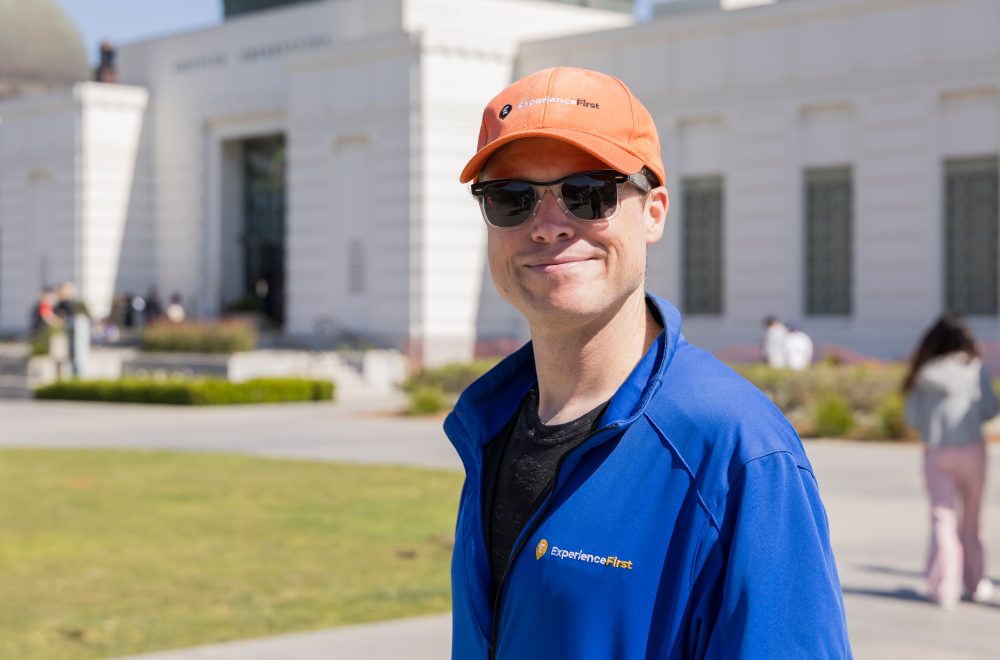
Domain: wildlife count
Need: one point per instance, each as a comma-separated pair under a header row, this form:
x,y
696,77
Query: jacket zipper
x,y
536,515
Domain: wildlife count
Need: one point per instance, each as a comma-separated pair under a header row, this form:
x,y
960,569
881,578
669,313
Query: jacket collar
x,y
488,404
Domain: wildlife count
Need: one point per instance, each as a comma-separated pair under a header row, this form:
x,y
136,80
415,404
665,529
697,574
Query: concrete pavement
x,y
357,432
418,638
873,493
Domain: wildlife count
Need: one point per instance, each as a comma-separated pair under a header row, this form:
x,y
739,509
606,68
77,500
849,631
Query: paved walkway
x,y
873,494
419,638
356,432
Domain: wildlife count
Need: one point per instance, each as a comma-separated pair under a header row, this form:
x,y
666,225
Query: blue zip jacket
x,y
689,525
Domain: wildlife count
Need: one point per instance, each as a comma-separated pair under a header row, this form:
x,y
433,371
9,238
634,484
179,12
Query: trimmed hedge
x,y
196,392
227,336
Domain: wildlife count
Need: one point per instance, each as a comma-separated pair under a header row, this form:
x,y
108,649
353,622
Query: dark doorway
x,y
264,224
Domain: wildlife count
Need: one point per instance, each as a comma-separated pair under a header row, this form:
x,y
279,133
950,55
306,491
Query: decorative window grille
x,y
971,233
703,258
356,266
829,233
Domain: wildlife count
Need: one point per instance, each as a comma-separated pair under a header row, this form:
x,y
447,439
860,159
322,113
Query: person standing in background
x,y
175,310
154,308
798,349
948,397
76,320
43,315
773,349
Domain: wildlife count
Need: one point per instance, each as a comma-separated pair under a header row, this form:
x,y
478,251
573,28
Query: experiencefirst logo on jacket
x,y
611,561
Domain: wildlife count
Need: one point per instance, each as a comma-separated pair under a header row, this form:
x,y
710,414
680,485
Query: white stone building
x,y
838,159
828,161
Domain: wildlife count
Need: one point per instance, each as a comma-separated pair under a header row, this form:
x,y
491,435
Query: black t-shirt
x,y
524,457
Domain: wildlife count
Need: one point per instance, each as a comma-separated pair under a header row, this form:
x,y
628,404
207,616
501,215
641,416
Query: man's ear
x,y
657,205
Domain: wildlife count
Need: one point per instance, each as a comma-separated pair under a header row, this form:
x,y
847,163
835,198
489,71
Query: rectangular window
x,y
703,259
829,216
355,267
970,227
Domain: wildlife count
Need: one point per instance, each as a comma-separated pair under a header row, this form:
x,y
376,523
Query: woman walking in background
x,y
948,397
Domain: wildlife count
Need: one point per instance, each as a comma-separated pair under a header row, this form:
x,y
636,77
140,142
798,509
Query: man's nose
x,y
551,223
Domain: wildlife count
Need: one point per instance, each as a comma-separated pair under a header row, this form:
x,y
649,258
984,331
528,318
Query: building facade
x,y
833,162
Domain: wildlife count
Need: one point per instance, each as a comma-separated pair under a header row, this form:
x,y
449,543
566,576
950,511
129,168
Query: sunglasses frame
x,y
638,180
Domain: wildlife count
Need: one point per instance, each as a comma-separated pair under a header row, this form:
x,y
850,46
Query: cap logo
x,y
527,103
504,111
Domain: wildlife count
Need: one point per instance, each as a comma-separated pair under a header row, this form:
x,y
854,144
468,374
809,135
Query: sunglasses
x,y
587,196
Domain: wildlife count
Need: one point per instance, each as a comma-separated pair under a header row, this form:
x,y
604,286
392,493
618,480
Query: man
x,y
626,494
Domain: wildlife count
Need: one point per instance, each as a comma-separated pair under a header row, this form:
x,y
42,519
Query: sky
x,y
123,21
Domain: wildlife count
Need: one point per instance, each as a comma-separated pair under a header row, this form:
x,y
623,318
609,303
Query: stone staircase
x,y
15,381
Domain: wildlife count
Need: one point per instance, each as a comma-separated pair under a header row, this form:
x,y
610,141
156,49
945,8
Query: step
x,y
13,367
14,387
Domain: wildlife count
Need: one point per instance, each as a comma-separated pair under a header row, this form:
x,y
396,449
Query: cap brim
x,y
608,152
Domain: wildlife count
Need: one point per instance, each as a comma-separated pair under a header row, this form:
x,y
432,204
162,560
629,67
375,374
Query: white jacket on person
x,y
950,400
774,345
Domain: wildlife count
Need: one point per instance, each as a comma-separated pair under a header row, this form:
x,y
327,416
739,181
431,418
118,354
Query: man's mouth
x,y
556,264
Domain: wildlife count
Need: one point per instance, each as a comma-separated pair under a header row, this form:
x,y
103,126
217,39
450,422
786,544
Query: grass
x,y
106,553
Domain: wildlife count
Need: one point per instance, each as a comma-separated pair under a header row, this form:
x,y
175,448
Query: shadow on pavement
x,y
899,594
889,570
905,594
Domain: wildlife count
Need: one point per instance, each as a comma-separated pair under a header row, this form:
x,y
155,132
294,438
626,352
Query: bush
x,y
450,378
832,417
196,392
892,416
226,336
427,400
870,392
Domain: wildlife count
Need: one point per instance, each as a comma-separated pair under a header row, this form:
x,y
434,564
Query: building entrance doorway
x,y
263,235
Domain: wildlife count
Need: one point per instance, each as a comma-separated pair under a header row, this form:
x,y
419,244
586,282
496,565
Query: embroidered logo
x,y
505,111
583,103
609,561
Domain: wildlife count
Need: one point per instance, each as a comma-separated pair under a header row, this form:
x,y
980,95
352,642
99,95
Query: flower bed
x,y
228,336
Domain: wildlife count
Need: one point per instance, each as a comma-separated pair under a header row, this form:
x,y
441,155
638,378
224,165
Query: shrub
x,y
788,389
870,392
427,400
832,416
197,392
891,413
226,336
449,378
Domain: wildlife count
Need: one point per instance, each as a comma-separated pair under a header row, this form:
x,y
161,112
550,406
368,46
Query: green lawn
x,y
106,553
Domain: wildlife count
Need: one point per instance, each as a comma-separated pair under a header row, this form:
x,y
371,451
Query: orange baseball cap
x,y
588,109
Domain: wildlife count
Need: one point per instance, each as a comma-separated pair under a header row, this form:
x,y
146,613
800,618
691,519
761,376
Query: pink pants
x,y
956,552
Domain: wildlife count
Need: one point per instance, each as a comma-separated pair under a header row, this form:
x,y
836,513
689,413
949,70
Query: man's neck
x,y
581,367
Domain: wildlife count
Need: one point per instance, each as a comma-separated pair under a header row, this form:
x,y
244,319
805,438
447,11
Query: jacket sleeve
x,y
779,594
987,397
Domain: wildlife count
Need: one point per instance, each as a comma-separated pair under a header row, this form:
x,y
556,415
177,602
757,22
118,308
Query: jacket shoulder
x,y
717,421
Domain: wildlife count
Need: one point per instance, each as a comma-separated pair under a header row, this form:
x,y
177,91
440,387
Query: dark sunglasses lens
x,y
508,204
590,196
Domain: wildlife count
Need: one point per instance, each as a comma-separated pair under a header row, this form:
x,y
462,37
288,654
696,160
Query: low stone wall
x,y
357,374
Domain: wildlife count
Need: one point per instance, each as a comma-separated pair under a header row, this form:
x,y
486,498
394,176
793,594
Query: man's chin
x,y
561,303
